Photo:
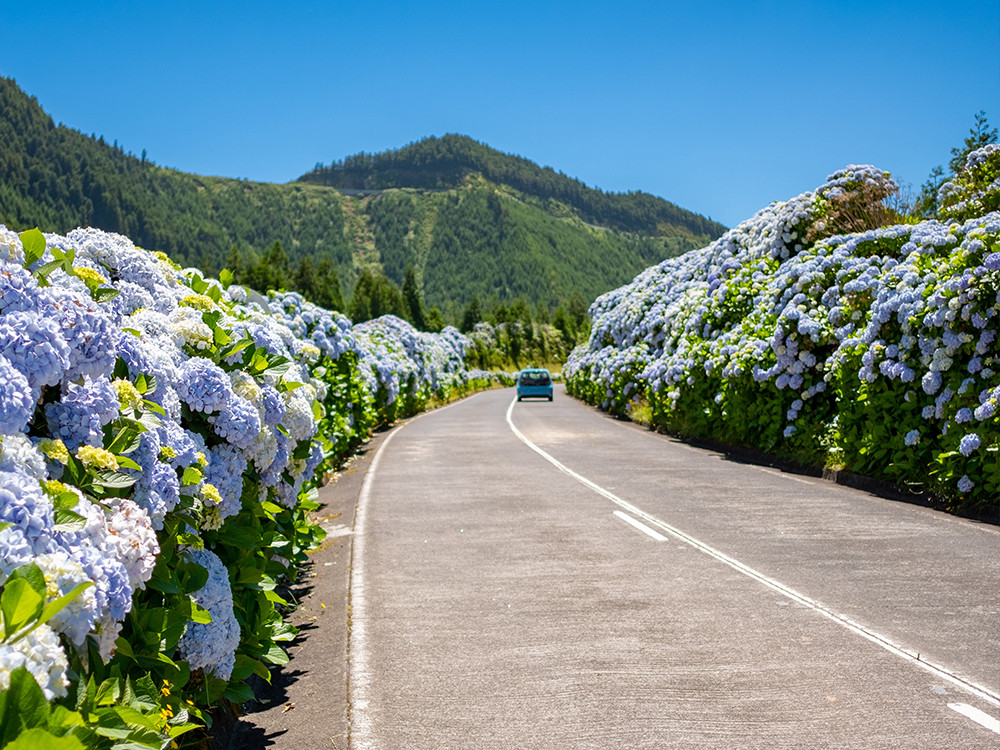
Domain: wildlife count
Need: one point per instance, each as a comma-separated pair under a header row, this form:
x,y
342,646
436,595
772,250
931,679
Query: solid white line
x,y
359,671
941,672
980,717
641,526
783,475
357,649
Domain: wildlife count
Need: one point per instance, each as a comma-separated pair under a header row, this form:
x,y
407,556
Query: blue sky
x,y
718,107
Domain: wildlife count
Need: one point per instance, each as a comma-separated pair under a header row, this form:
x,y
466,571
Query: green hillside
x,y
436,163
57,179
472,222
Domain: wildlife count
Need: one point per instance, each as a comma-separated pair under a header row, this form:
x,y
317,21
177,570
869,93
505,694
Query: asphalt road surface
x,y
537,575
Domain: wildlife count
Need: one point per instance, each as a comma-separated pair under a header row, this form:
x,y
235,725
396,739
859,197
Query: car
x,y
534,382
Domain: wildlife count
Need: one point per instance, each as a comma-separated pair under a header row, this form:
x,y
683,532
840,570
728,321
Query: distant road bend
x,y
536,575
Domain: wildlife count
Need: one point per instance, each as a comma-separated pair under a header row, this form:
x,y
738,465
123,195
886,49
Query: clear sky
x,y
720,107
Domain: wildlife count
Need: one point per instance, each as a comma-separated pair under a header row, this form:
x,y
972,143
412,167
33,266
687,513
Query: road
x,y
537,575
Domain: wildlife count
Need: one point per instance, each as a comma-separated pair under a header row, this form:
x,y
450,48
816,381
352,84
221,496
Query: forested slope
x,y
445,162
470,221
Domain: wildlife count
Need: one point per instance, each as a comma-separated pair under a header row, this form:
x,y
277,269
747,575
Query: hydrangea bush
x,y
873,349
162,436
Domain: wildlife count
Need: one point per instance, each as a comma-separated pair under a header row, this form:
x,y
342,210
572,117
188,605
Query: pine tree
x,y
414,303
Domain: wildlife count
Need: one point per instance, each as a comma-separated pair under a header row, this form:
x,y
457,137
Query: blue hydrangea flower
x,y
225,472
183,449
203,385
82,413
35,347
239,423
969,444
23,504
19,292
212,646
274,405
16,403
89,333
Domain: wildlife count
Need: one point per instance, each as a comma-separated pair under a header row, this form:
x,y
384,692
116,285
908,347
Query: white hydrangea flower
x,y
41,653
62,574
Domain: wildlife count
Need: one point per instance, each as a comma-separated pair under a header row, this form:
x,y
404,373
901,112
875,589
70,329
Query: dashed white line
x,y
980,717
941,672
641,526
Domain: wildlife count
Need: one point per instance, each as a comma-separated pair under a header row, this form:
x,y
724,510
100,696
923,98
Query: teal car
x,y
534,382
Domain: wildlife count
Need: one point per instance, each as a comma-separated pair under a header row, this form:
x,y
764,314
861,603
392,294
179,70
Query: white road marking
x,y
980,717
942,672
641,526
359,672
783,475
357,641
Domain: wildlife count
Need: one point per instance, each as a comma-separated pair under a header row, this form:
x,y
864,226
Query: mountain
x,y
57,179
471,221
442,163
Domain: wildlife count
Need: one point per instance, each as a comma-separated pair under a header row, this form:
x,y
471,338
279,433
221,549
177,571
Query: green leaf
x,y
33,242
24,707
198,284
104,293
153,407
239,693
20,605
33,575
128,437
275,598
113,479
42,739
259,362
219,336
199,614
68,520
42,274
127,463
192,475
235,348
275,655
272,509
124,648
225,277
279,366
193,576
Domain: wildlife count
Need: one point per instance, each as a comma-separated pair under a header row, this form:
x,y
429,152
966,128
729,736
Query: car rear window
x,y
534,378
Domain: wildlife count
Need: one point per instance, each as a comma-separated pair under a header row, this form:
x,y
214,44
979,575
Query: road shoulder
x,y
306,703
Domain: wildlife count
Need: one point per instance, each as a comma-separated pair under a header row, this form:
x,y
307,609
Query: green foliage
x,y
101,711
375,296
58,178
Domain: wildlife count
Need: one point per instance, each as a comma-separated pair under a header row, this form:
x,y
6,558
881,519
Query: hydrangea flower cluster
x,y
212,646
398,357
875,349
142,408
